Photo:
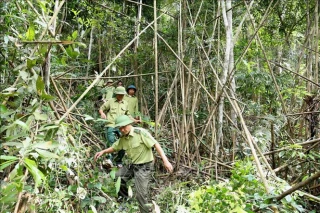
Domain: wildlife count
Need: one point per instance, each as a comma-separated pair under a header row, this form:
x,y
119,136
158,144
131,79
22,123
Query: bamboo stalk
x,y
298,186
103,72
156,68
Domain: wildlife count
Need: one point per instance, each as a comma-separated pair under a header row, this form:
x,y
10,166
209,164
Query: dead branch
x,y
298,186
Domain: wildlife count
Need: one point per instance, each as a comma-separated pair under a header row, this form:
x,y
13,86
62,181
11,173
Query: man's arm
x,y
106,151
137,108
105,106
164,158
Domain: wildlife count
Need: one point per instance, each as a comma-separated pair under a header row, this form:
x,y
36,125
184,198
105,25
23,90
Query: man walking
x,y
107,92
115,107
138,143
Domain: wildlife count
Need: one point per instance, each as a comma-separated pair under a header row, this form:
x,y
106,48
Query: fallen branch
x,y
299,185
117,77
289,147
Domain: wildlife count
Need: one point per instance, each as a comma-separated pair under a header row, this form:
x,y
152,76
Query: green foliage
x,y
244,192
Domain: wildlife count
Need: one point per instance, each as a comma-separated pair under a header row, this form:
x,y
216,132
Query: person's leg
x,y
125,173
142,176
118,157
111,136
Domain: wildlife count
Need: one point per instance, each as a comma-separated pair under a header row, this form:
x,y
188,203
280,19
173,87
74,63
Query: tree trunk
x,y
225,71
89,51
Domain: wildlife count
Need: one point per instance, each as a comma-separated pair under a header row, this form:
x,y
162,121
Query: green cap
x,y
120,91
123,120
110,81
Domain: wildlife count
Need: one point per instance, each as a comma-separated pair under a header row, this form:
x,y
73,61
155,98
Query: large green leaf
x,y
118,184
22,124
18,170
40,85
9,193
45,145
6,164
3,109
31,63
30,33
46,97
39,116
46,154
38,176
99,199
8,157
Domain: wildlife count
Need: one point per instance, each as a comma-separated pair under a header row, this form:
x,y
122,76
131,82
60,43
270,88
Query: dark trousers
x,y
112,134
142,176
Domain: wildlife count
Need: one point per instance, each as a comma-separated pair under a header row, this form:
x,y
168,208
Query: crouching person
x,y
137,143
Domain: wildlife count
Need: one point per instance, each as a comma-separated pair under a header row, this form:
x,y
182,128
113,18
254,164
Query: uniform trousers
x,y
142,176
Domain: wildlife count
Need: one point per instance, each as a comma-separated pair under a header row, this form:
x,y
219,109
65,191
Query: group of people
x,y
120,109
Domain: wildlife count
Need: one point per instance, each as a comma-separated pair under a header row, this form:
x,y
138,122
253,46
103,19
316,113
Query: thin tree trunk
x,y
47,66
225,71
156,67
89,51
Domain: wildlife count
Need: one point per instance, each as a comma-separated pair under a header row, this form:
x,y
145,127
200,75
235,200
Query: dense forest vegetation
x,y
230,89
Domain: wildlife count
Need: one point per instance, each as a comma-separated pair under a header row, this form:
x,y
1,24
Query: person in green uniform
x,y
107,92
132,100
115,107
138,143
119,83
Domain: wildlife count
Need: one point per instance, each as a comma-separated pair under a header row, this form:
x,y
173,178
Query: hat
x,y
120,91
132,87
123,120
110,81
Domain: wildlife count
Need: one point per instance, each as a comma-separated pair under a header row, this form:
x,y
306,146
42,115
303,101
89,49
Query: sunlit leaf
x,y
45,145
74,35
10,193
46,154
88,117
40,85
99,199
156,208
3,109
47,97
22,124
38,176
17,169
130,193
94,210
6,164
24,75
118,184
30,33
7,157
39,116
48,126
10,89
16,144
113,174
31,63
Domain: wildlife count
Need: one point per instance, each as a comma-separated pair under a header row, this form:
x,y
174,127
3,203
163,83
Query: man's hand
x,y
98,154
168,166
103,116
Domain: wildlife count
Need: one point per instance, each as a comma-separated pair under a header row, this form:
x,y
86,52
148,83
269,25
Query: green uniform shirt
x,y
107,93
133,104
137,144
114,109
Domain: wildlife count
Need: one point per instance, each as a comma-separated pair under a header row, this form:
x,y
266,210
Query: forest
x,y
229,88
